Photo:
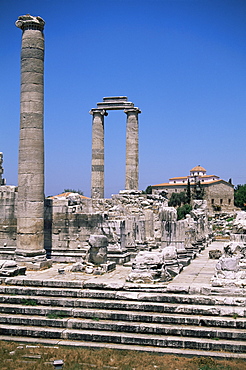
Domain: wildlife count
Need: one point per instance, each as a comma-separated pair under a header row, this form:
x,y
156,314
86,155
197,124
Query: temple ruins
x,y
97,168
154,281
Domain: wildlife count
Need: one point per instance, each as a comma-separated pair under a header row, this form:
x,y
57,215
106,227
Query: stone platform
x,y
194,279
184,317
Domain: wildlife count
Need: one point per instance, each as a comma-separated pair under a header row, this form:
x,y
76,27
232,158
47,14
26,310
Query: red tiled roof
x,y
192,184
198,168
67,195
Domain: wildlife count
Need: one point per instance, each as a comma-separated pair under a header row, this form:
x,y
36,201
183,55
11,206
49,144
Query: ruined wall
x,y
127,220
8,220
68,228
131,221
194,229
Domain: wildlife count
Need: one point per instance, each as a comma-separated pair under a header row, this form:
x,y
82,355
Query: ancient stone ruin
x,y
152,281
36,231
231,267
97,167
2,181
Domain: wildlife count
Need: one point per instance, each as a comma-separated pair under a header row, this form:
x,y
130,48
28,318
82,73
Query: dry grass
x,y
38,357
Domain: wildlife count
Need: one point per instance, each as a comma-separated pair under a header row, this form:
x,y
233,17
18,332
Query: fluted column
x,y
97,165
30,208
132,149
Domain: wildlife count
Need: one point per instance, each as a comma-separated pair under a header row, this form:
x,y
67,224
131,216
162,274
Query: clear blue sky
x,y
182,62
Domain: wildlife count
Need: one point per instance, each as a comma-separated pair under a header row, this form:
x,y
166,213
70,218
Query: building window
x,y
229,201
212,201
221,201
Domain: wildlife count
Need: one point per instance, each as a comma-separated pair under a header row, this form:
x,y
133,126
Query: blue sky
x,y
182,62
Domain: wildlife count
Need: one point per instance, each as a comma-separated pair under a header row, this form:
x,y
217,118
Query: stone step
x,y
124,295
127,327
35,310
167,318
124,316
151,349
169,288
191,309
235,346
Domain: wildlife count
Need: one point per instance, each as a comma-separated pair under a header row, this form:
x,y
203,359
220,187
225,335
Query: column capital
x,y
25,22
99,111
132,110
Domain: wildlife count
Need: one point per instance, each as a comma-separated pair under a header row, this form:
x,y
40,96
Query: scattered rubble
x,y
10,268
231,267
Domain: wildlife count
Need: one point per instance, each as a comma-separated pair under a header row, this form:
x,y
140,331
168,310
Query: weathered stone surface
x,y
97,165
168,214
10,268
97,176
239,224
215,254
30,235
231,267
1,168
115,103
98,249
148,267
132,148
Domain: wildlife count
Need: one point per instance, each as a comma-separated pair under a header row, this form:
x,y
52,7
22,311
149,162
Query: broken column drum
x,y
30,209
97,175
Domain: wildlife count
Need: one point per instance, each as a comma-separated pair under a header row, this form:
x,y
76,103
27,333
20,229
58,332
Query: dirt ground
x,y
23,356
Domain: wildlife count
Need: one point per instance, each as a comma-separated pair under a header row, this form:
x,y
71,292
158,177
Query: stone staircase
x,y
146,321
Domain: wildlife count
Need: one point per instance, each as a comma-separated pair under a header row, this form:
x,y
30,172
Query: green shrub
x,y
183,211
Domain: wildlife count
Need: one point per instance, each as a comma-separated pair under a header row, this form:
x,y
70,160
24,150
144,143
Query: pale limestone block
x,y
32,209
32,77
32,87
98,249
31,96
32,134
33,41
30,242
30,225
31,120
31,106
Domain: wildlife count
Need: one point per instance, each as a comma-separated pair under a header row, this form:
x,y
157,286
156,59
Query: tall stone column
x,y
30,207
97,167
1,168
132,149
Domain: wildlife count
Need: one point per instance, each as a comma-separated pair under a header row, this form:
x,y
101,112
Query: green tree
x,y
183,211
177,199
148,190
188,193
73,191
198,192
240,196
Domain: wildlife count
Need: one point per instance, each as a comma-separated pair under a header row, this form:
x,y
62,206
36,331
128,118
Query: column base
x,y
32,260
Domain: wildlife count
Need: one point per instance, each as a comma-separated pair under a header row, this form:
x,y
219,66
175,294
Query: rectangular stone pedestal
x,y
39,265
